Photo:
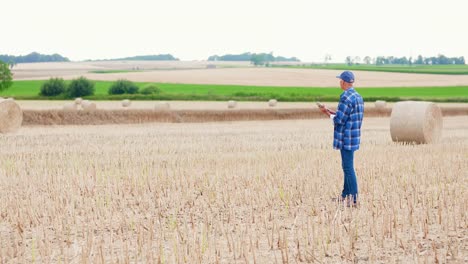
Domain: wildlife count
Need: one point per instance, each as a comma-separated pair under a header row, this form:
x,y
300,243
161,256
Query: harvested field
x,y
196,105
99,117
196,73
229,193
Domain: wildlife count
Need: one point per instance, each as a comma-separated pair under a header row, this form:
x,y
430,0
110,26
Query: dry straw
x,y
379,104
232,104
78,101
272,102
70,107
11,116
88,106
418,122
161,110
162,106
126,103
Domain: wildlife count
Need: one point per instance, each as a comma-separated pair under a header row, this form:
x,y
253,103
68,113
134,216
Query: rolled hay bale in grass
x,y
11,116
88,105
78,101
380,105
126,103
232,104
70,107
417,122
272,102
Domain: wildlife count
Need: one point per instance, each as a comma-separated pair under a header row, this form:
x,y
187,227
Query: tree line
x,y
254,58
32,57
159,57
12,60
420,60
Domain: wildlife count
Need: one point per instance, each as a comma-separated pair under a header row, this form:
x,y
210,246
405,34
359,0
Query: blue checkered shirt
x,y
348,120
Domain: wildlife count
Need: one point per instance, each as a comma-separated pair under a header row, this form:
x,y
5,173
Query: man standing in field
x,y
347,122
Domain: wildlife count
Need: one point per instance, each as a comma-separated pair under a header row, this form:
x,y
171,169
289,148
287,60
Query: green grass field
x,y
30,90
428,69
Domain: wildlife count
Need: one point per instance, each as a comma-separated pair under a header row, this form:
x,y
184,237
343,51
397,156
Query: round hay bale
x,y
126,103
418,122
70,107
162,106
88,105
78,101
11,116
272,102
232,104
380,105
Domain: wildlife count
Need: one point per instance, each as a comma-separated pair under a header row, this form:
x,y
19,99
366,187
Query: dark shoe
x,y
338,199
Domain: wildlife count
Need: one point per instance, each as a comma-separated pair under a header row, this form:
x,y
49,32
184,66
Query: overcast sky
x,y
196,29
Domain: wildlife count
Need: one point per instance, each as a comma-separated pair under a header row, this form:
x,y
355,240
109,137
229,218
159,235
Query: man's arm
x,y
342,113
325,110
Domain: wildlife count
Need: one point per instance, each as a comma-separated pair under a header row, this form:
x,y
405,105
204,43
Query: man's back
x,y
348,121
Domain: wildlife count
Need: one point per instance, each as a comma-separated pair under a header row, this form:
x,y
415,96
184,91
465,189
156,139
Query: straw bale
x,y
11,116
232,104
418,122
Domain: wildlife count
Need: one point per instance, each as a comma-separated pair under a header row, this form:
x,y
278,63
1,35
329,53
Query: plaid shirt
x,y
348,120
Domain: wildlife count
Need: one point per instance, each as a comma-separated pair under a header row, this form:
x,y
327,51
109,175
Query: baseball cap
x,y
346,76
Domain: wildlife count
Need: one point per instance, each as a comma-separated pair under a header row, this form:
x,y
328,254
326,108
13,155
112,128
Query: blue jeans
x,y
350,187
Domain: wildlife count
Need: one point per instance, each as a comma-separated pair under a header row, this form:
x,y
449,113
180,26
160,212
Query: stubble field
x,y
229,73
232,192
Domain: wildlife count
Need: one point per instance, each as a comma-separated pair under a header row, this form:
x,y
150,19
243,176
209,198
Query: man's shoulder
x,y
353,95
350,95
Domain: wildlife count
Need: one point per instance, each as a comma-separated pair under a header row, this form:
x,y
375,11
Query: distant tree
x,y
150,89
32,57
213,58
6,78
123,87
367,59
441,59
247,56
53,87
257,59
349,60
357,60
380,60
419,60
80,87
159,57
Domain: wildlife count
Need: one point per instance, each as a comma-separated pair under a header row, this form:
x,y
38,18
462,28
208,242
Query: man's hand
x,y
325,110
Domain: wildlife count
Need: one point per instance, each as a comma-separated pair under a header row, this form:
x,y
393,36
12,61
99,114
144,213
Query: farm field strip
x,y
237,75
229,192
30,90
419,69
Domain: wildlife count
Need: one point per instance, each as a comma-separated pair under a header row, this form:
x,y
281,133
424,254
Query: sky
x,y
195,30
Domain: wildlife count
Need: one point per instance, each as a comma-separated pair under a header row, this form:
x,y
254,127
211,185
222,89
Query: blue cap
x,y
346,76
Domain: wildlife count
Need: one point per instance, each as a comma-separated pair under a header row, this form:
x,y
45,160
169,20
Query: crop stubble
x,y
229,192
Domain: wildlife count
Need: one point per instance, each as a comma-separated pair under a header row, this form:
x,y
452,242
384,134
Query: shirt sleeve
x,y
342,113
